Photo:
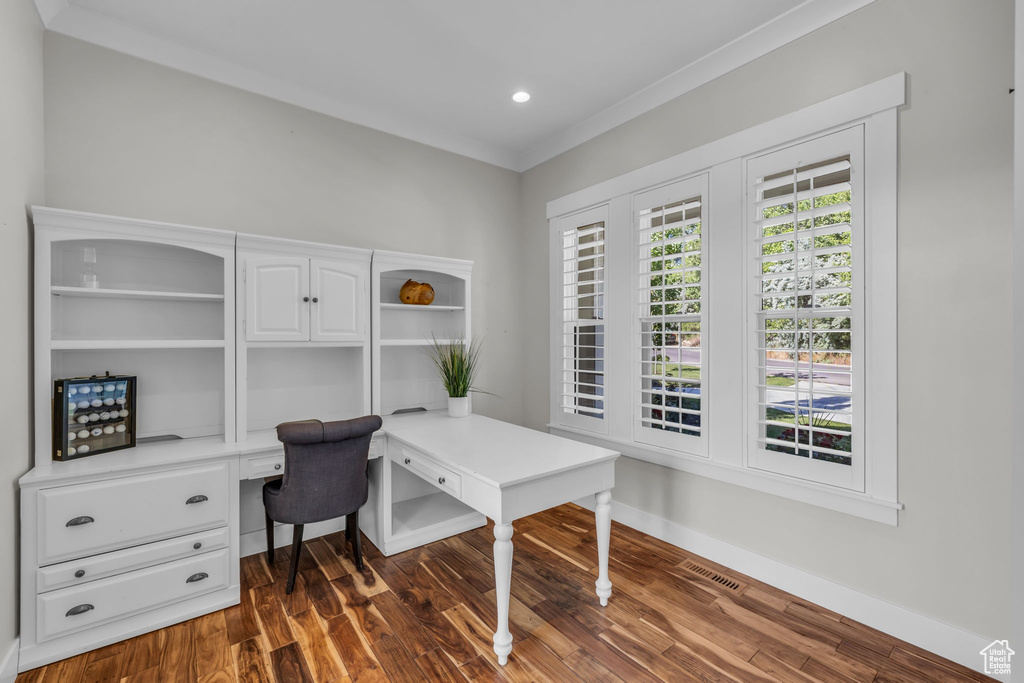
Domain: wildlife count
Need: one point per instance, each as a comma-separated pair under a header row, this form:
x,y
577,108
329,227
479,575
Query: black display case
x,y
93,415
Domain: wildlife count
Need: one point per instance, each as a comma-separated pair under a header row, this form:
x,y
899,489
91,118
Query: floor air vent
x,y
712,575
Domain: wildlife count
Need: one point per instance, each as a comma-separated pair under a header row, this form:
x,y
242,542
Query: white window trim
x,y
875,106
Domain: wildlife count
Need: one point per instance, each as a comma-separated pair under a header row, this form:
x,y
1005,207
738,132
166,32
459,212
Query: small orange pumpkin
x,y
417,293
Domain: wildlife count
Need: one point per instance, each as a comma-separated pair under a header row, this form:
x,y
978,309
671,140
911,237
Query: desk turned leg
x,y
603,516
502,589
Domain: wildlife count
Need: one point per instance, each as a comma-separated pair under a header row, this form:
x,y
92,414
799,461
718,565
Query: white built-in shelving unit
x,y
137,298
413,511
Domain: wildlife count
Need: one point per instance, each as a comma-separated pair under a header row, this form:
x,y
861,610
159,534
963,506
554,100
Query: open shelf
x,y
413,307
419,515
100,293
100,344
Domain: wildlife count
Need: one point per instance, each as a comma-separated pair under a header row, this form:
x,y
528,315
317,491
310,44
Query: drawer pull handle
x,y
80,573
408,460
305,299
440,480
277,466
316,300
196,499
79,521
79,609
197,546
197,577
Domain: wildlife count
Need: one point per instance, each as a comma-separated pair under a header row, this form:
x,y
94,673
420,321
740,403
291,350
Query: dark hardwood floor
x,y
428,615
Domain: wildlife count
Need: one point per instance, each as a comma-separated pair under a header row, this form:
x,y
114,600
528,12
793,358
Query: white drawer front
x,y
427,469
77,572
80,607
88,519
266,466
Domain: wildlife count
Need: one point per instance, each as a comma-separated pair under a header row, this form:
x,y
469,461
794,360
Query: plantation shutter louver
x,y
583,328
671,316
806,209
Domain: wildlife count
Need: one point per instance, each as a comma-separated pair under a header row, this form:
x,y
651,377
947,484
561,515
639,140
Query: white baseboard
x,y
255,542
9,665
932,635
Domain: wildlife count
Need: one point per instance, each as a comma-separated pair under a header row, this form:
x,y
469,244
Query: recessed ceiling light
x,y
521,96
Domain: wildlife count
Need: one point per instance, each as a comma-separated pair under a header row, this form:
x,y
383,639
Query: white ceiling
x,y
442,71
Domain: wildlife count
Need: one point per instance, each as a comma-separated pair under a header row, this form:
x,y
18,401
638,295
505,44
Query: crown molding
x,y
48,9
799,21
61,17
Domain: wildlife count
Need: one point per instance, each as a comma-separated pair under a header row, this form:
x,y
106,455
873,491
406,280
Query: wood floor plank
x,y
589,669
453,643
437,666
359,660
323,659
213,648
250,662
779,671
289,665
272,618
536,627
143,652
398,663
404,623
481,670
322,597
225,675
241,619
178,653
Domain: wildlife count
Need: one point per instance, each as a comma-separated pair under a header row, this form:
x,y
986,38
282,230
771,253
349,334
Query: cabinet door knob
x,y
408,460
79,609
197,545
196,499
440,480
197,577
315,300
277,466
306,299
80,573
79,521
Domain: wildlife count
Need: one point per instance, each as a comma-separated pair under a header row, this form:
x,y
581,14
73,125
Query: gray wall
x,y
949,558
130,138
21,185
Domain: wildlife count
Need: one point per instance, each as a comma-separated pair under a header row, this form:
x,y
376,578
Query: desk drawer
x,y
266,466
81,607
77,572
425,468
89,519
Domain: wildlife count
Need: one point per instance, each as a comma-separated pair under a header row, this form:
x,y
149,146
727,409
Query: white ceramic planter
x,y
458,407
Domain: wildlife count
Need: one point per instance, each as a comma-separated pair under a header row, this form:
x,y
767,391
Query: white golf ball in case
x,y
83,390
94,417
84,448
72,391
120,429
121,386
82,419
83,433
108,401
104,416
96,431
108,387
123,413
108,429
98,388
72,436
71,450
96,402
120,401
83,404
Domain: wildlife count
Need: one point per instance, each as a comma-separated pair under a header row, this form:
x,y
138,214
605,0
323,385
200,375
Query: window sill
x,y
856,504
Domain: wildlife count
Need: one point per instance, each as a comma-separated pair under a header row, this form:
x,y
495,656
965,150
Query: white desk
x,y
506,472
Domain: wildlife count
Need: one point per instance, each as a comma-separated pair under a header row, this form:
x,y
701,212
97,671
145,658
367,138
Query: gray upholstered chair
x,y
324,478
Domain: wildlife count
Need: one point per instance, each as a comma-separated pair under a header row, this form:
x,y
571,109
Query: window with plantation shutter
x,y
672,370
805,207
582,325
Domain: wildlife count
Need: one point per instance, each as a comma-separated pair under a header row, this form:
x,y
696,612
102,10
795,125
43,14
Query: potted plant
x,y
456,363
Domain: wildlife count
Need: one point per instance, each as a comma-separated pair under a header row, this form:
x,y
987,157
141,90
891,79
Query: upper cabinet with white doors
x,y
292,297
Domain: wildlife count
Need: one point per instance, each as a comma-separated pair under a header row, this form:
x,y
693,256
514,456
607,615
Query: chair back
x,y
325,469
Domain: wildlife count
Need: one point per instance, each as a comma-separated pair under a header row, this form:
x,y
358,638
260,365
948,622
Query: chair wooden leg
x,y
270,538
352,525
296,551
